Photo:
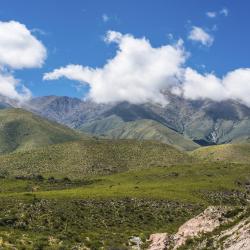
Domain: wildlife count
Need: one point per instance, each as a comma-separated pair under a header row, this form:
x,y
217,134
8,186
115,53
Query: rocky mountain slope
x,y
114,127
205,122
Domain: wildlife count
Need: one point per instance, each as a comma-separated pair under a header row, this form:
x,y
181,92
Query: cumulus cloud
x,y
137,73
235,85
11,87
211,14
198,34
19,49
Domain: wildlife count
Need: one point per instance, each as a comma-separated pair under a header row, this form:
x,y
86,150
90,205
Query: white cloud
x,y
18,49
197,34
11,87
197,86
39,31
136,74
211,14
235,85
224,12
105,18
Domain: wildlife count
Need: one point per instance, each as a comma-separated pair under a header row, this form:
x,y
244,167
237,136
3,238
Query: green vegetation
x,y
105,211
108,223
114,127
238,153
186,183
90,157
21,130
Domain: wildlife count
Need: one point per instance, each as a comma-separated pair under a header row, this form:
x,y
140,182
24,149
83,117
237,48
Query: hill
x,y
21,130
91,157
114,127
237,153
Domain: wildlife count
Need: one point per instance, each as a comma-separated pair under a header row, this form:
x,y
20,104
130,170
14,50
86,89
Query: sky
x,y
114,50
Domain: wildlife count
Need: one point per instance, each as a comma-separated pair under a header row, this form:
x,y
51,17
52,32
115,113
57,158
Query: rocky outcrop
x,y
205,222
159,241
204,231
237,237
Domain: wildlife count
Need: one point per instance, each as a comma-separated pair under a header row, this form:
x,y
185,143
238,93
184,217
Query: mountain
x,y
204,121
22,130
68,111
114,127
83,158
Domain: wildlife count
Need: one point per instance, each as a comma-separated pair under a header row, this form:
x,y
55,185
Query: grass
x,y
186,183
238,153
104,211
98,193
84,158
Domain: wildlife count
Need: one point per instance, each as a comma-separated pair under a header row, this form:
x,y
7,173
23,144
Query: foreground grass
x,y
186,183
105,211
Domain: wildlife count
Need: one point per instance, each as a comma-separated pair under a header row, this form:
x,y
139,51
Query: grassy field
x,y
186,183
104,211
90,157
238,153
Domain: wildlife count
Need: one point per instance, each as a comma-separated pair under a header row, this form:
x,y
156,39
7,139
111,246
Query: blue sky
x,y
73,31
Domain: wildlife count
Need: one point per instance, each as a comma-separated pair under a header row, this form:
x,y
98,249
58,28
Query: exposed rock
x,y
237,237
205,222
158,241
136,242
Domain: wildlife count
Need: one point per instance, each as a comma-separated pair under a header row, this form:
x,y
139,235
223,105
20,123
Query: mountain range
x,y
202,122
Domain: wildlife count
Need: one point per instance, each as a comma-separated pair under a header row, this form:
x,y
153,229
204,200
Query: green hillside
x,y
21,130
88,157
114,127
238,153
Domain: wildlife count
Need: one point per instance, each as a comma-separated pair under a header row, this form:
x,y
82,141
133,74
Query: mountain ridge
x,y
204,121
